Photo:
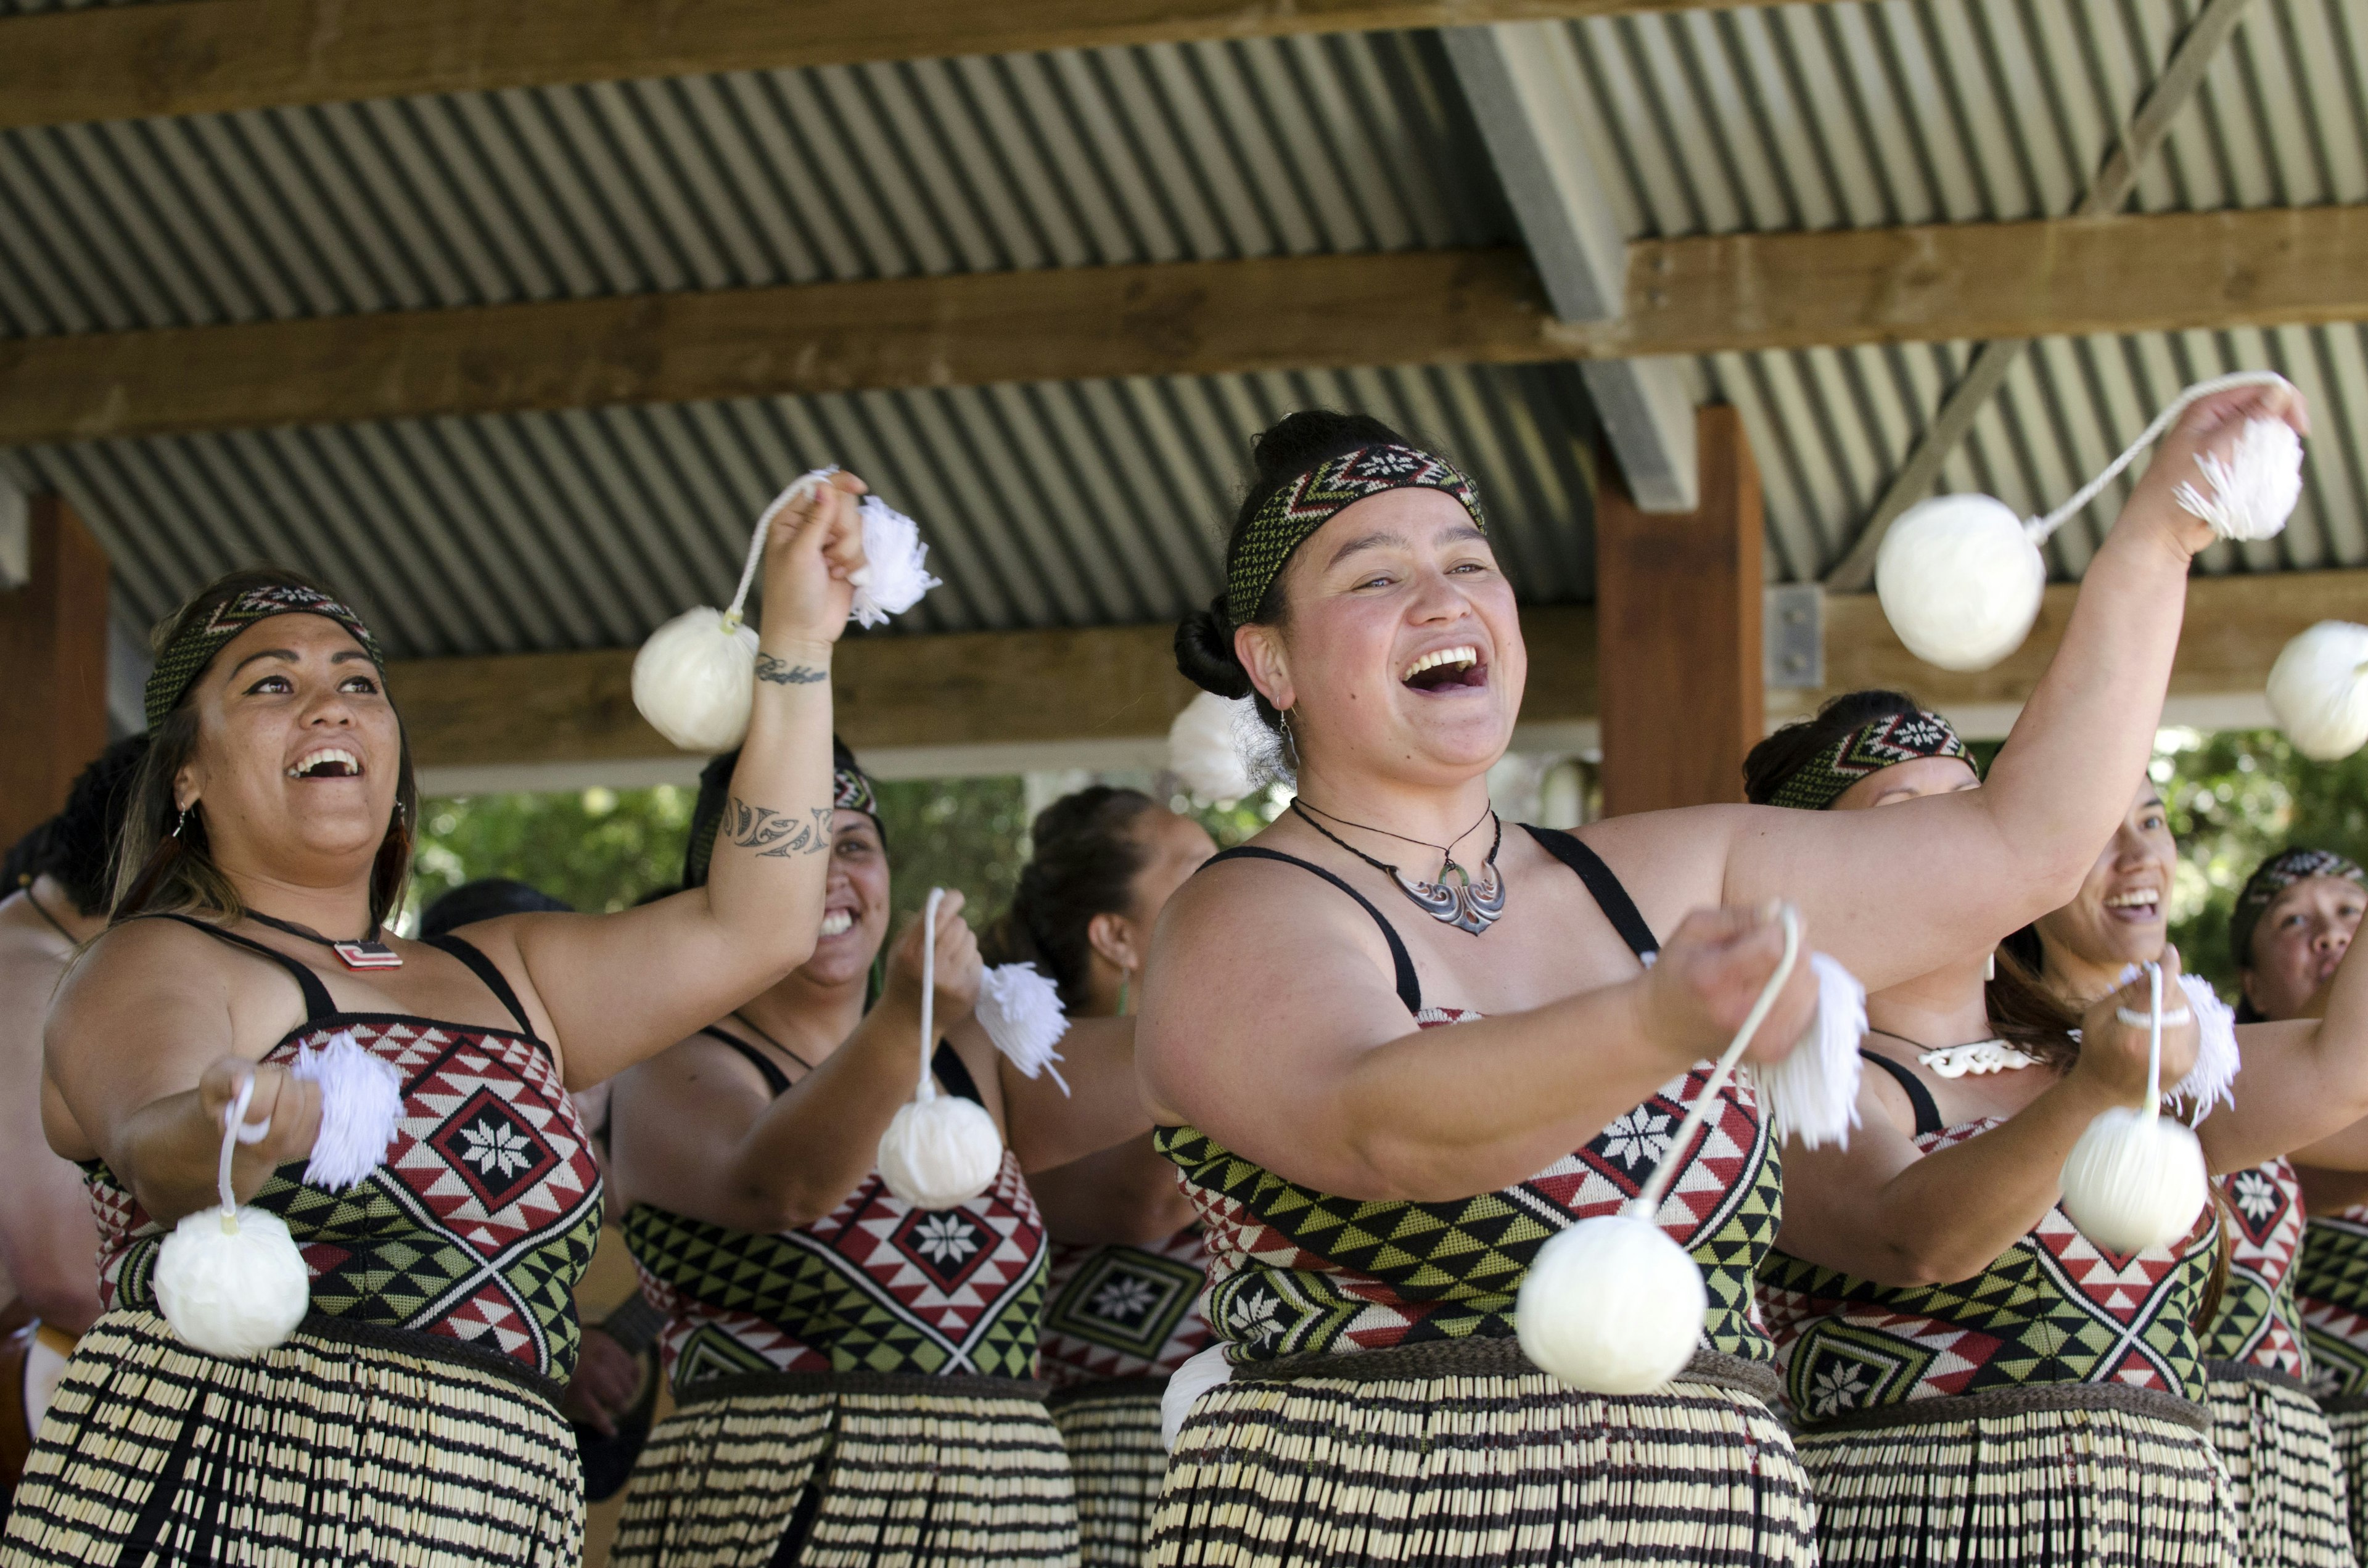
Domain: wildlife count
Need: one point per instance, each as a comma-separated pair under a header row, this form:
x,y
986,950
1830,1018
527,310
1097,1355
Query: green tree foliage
x,y
953,833
2236,798
598,849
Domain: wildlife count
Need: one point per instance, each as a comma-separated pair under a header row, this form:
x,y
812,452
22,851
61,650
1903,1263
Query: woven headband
x,y
184,658
1310,501
850,790
2277,873
1886,742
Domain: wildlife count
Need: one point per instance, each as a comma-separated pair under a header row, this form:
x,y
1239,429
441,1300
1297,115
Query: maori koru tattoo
x,y
782,673
776,835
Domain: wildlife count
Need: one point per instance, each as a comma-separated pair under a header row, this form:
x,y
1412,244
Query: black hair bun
x,y
1204,653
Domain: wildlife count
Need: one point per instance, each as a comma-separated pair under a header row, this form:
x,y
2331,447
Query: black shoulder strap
x,y
1609,896
317,1002
1928,1113
774,1079
1409,988
484,968
948,1070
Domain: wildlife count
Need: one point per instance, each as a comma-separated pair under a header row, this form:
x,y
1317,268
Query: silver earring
x,y
1990,967
1290,739
183,821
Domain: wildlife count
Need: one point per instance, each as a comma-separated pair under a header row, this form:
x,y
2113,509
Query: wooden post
x,y
1677,600
52,669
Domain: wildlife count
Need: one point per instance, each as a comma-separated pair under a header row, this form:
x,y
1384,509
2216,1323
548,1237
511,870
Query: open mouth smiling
x,y
2137,904
838,922
331,762
1446,669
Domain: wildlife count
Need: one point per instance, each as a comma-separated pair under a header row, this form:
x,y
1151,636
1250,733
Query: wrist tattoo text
x,y
776,835
781,672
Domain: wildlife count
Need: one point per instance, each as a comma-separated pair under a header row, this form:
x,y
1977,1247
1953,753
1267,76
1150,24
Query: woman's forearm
x,y
773,847
167,1154
1102,1106
817,1142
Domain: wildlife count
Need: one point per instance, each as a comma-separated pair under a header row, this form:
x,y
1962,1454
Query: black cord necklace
x,y
1467,905
776,1044
365,951
53,920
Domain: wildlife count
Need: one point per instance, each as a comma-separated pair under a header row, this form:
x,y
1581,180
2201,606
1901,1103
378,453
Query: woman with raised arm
x,y
854,1376
1375,1187
411,1417
1122,1308
1969,1371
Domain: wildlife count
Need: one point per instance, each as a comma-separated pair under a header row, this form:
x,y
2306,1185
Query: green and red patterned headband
x,y
2277,873
1864,752
194,645
1309,501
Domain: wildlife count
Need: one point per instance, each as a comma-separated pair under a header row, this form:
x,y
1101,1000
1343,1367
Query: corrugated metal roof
x,y
1099,502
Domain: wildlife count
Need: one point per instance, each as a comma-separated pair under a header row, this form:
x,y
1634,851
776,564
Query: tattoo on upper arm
x,y
776,835
781,672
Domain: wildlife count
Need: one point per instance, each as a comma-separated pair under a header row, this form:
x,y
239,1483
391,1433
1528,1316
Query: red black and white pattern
x,y
2259,1323
477,1224
875,1286
1123,1311
1308,502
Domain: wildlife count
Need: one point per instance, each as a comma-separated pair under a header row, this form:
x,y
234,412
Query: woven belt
x,y
1489,1356
2021,1401
2246,1373
431,1347
902,1385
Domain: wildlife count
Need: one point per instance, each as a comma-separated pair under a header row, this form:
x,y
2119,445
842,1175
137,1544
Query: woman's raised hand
x,y
812,549
2210,426
1709,976
287,1109
957,960
2113,1050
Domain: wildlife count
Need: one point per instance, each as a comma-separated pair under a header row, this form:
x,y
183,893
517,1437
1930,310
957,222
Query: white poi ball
x,y
940,1152
2135,1181
1960,581
1611,1305
2318,691
1203,750
232,1284
695,679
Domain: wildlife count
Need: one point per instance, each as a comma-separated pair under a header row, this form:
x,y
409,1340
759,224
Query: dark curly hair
x,y
1280,454
1088,850
75,845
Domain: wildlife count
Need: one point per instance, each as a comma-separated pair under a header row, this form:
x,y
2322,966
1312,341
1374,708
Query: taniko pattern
x,y
2332,1287
2260,1321
1864,752
1305,504
477,1225
2054,1308
1293,1271
1123,1311
875,1286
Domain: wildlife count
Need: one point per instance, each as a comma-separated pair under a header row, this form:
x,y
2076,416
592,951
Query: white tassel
x,y
2256,489
362,1102
1960,579
2135,1180
1021,1012
2213,1078
2318,690
230,1280
1612,1304
696,676
893,575
1203,751
1812,1095
940,1150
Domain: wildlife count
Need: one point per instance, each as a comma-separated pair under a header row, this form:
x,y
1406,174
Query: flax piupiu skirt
x,y
2287,1485
1462,1453
2347,1420
1112,1432
2104,1477
347,1445
833,1469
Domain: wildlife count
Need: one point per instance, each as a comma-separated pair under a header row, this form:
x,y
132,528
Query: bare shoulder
x,y
1671,862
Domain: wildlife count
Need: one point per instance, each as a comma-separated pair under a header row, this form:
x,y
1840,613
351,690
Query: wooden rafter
x,y
2263,268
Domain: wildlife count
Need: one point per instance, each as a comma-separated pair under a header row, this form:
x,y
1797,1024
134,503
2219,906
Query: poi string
x,y
810,481
235,1132
2039,529
928,1090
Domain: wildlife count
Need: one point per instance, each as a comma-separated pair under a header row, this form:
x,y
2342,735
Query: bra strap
x,y
317,1002
1609,895
1928,1111
485,969
1409,988
774,1079
948,1069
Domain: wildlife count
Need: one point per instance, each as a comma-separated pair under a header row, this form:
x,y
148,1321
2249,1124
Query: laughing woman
x,y
1399,1044
411,1418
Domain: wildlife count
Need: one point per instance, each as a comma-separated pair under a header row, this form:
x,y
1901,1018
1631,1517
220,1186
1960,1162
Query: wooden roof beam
x,y
2263,268
220,56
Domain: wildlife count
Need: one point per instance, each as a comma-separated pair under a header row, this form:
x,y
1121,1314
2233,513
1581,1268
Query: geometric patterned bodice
x,y
2052,1308
474,1226
1123,1311
2331,1284
2259,1322
1295,1271
874,1286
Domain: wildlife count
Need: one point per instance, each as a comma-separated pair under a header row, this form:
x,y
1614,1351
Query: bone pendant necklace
x,y
1468,904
